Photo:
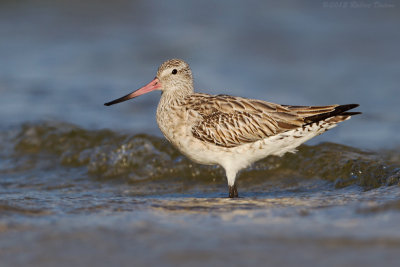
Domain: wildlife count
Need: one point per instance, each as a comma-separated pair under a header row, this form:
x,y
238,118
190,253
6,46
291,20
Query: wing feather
x,y
232,121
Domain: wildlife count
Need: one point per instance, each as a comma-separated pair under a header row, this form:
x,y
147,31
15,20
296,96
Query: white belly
x,y
239,157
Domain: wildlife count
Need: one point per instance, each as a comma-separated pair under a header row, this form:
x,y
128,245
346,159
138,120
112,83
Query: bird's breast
x,y
173,123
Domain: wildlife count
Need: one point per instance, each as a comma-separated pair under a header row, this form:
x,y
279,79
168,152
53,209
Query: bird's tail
x,y
339,113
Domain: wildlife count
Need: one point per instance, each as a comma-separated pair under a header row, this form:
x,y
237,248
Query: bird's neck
x,y
170,104
174,97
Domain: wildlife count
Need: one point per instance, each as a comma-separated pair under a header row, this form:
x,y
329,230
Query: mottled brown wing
x,y
232,121
233,129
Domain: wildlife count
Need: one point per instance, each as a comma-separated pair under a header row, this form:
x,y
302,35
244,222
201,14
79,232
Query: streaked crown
x,y
175,74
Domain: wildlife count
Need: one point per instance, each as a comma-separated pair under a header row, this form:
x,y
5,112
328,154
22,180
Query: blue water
x,y
63,61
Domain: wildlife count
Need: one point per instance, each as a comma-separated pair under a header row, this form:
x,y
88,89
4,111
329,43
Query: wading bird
x,y
231,131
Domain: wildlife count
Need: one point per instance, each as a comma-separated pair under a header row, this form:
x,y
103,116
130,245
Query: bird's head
x,y
173,76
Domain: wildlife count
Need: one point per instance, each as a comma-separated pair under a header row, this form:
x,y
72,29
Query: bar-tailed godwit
x,y
230,131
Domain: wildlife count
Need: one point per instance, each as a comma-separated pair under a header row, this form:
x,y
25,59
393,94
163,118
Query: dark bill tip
x,y
153,85
119,100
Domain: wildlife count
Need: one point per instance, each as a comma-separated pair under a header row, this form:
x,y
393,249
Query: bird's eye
x,y
174,71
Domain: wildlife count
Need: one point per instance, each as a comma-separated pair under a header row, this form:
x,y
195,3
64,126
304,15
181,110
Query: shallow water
x,y
84,185
95,196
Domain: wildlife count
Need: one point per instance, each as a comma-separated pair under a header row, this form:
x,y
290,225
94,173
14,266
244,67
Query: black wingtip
x,y
351,113
347,106
343,108
339,110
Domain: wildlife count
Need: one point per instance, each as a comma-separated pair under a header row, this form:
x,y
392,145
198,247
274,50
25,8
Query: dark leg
x,y
233,191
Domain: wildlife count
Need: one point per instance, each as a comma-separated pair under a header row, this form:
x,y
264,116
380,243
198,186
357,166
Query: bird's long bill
x,y
151,86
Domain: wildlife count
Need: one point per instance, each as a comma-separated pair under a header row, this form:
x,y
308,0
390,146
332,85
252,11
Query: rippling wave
x,y
104,154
